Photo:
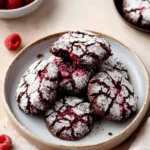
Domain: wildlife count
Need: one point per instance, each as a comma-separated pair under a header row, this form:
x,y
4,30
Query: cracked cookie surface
x,y
83,48
137,11
113,63
71,118
74,80
36,90
112,96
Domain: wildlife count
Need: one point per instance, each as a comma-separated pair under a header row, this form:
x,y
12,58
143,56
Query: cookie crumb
x,y
40,56
110,133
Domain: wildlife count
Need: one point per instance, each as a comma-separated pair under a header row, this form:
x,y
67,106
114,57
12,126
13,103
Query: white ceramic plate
x,y
34,129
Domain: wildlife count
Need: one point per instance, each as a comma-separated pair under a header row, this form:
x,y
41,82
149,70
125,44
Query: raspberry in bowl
x,y
18,8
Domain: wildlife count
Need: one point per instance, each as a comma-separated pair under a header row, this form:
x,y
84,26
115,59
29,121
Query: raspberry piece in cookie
x,y
37,88
74,80
112,96
83,48
137,11
71,118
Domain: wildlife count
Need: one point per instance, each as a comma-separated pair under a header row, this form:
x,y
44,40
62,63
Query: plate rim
x,y
37,140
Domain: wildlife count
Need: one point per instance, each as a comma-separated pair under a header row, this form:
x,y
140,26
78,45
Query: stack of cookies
x,y
80,81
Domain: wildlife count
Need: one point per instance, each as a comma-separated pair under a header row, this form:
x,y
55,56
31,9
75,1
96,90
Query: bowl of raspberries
x,y
10,9
84,92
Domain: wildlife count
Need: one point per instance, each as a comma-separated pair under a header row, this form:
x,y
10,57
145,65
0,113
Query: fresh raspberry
x,y
2,3
112,96
5,142
12,42
13,4
29,1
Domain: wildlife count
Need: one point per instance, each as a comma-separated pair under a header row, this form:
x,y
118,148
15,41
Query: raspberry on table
x,y
13,4
83,48
2,2
71,118
112,96
12,42
5,142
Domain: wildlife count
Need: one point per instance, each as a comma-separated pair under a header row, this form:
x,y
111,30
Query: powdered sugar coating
x,y
112,96
83,48
137,11
74,79
37,88
113,63
71,118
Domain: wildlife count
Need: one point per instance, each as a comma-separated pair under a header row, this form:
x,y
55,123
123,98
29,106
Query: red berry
x,y
12,4
42,74
2,3
74,57
29,1
5,142
12,42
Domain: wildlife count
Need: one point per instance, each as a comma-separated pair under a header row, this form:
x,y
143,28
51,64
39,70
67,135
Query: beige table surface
x,y
60,15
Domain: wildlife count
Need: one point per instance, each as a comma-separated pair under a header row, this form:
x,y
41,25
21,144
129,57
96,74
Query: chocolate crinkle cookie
x,y
83,48
113,63
37,88
137,11
71,118
74,80
112,96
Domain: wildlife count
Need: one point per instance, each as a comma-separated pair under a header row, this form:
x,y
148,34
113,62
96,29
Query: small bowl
x,y
22,11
